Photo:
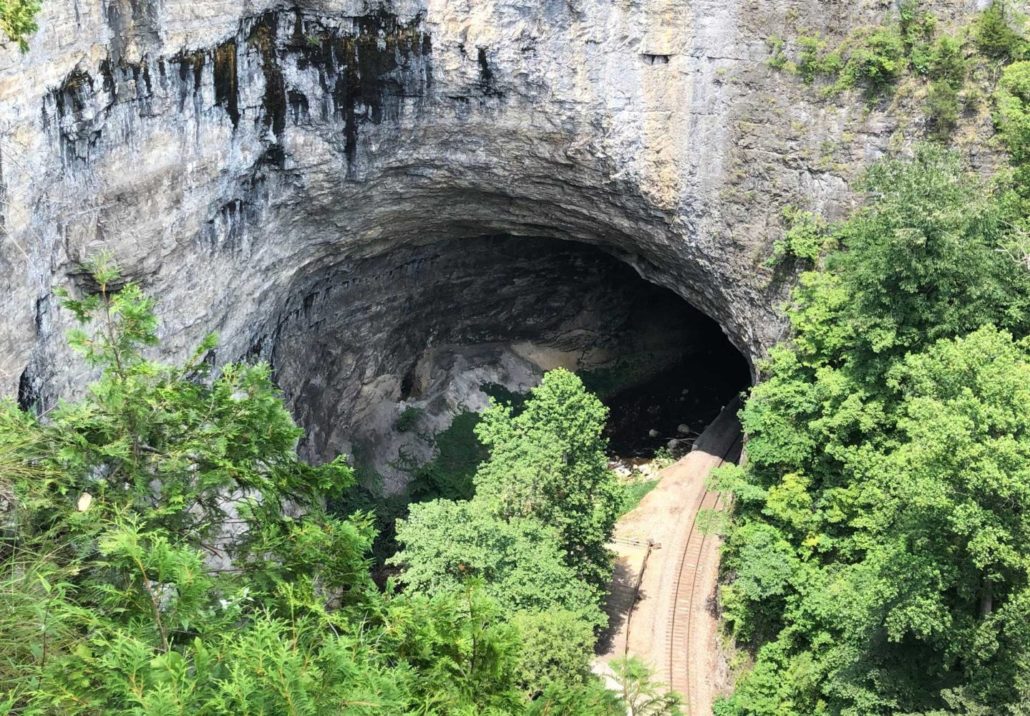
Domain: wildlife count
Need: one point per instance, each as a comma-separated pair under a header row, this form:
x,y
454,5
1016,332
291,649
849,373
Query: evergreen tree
x,y
167,552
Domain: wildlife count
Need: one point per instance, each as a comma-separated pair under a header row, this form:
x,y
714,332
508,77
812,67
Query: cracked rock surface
x,y
234,157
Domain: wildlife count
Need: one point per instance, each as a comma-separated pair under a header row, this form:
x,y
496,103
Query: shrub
x,y
806,237
1012,115
876,62
642,692
778,58
408,419
917,29
946,62
810,57
994,35
942,107
18,20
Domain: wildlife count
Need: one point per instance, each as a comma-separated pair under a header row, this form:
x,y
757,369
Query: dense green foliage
x,y
995,35
873,58
879,560
18,19
1012,118
910,44
164,551
805,240
535,531
519,560
116,577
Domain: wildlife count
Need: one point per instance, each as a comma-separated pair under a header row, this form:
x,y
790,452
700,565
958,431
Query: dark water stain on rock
x,y
299,107
26,394
366,72
264,38
487,83
227,91
78,112
132,21
191,64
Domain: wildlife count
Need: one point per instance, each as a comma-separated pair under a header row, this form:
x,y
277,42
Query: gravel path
x,y
668,620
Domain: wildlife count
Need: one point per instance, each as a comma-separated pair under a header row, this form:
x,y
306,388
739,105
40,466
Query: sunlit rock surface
x,y
231,155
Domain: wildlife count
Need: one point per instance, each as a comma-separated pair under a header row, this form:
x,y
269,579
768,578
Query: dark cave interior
x,y
421,329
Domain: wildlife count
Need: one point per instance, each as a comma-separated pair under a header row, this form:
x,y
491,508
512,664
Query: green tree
x,y
921,262
557,650
877,558
953,515
1012,114
519,561
994,34
165,551
549,463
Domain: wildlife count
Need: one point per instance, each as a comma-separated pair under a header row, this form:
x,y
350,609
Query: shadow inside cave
x,y
420,330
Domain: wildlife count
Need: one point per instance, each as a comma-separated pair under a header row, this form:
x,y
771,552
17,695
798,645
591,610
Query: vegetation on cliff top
x,y
18,20
911,44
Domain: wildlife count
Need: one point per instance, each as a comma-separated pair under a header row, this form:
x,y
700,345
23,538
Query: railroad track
x,y
687,591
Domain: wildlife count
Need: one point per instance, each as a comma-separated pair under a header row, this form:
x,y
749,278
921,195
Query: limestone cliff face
x,y
226,151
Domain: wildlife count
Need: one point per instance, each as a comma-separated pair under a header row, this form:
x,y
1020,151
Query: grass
x,y
634,493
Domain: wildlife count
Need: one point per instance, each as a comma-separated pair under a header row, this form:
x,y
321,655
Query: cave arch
x,y
358,341
224,168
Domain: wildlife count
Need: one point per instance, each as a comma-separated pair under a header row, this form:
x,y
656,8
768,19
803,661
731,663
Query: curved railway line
x,y
667,569
690,598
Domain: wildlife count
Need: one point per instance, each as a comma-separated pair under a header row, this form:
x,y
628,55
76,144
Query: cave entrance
x,y
390,357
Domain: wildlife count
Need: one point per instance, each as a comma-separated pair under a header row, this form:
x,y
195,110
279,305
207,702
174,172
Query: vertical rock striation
x,y
225,151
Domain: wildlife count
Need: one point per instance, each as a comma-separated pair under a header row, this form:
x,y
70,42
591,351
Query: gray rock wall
x,y
224,150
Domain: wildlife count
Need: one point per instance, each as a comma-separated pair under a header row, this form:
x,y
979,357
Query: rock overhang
x,y
217,167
